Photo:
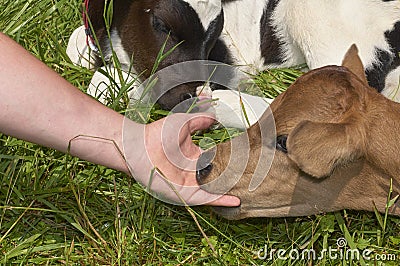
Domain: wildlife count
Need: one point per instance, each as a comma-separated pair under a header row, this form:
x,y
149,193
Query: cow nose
x,y
203,173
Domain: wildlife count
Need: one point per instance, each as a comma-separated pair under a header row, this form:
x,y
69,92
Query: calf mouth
x,y
204,169
229,213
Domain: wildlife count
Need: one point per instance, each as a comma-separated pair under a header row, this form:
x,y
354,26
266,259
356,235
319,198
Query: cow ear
x,y
319,148
353,62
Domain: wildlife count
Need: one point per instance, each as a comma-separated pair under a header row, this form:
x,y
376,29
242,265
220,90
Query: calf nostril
x,y
186,96
205,165
203,173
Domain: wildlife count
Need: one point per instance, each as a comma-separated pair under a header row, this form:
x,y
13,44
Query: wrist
x,y
133,148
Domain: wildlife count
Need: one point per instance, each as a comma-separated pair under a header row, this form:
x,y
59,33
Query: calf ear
x,y
318,148
353,62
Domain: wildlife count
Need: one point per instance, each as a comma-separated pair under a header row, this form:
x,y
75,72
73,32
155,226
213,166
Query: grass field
x,y
55,209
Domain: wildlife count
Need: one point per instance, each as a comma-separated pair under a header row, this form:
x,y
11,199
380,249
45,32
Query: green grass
x,y
55,209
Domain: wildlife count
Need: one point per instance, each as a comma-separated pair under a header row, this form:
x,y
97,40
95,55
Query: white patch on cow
x,y
78,51
207,10
228,108
122,55
241,33
392,85
323,29
106,87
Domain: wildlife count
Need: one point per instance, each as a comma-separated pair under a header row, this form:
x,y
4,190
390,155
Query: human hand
x,y
168,149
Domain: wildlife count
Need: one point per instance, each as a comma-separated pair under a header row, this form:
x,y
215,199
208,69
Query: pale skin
x,y
39,106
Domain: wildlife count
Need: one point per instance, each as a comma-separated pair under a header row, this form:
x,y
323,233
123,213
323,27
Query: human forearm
x,y
38,105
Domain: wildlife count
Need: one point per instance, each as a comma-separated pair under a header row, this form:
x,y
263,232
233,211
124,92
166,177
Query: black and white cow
x,y
254,34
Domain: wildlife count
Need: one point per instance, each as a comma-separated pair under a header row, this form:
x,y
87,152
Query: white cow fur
x,y
245,49
324,29
228,108
208,10
103,88
123,57
392,89
77,49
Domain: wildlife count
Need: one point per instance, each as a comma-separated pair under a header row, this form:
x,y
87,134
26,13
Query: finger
x,y
194,195
185,193
226,201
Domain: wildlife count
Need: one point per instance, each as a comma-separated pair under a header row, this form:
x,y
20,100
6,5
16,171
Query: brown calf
x,y
337,147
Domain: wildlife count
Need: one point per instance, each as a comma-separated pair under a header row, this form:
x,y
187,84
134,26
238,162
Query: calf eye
x,y
281,143
159,25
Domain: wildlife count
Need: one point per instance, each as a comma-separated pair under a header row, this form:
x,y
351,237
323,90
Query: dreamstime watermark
x,y
339,252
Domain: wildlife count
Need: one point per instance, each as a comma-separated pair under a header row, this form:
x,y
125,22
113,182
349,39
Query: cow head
x,y
142,30
335,147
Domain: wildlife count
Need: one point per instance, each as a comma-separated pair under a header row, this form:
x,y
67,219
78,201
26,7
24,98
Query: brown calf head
x,y
333,150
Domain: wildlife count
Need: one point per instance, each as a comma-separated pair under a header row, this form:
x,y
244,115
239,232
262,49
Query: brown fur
x,y
342,149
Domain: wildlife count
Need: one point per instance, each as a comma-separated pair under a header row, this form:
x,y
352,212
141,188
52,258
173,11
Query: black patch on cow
x,y
386,61
220,53
377,73
182,21
271,46
212,34
393,38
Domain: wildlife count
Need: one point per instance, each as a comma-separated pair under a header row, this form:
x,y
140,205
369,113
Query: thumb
x,y
200,121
